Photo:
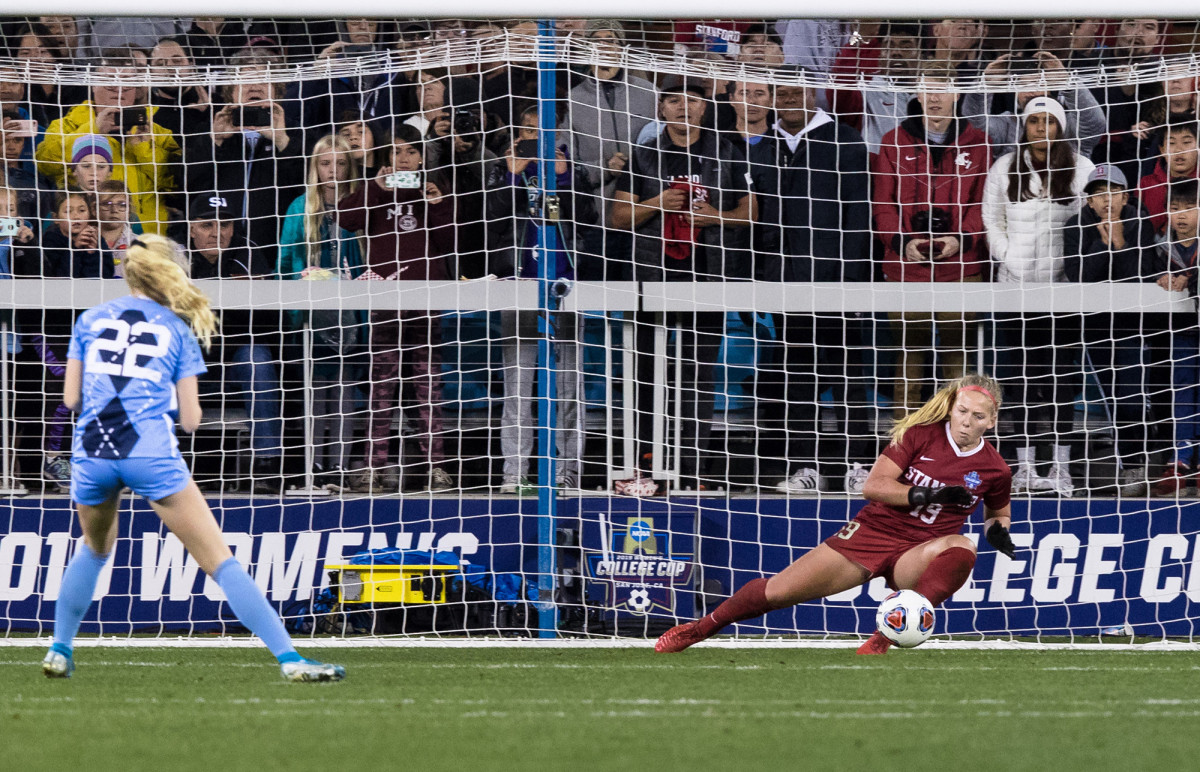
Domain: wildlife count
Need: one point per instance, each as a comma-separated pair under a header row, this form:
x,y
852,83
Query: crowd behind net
x,y
768,239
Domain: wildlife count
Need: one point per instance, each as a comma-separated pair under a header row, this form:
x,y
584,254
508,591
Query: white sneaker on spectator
x,y
440,481
1060,480
856,479
636,486
518,487
363,480
1026,481
806,481
1135,482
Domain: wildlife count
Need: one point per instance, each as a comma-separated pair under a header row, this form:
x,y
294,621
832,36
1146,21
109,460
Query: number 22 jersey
x,y
133,352
929,457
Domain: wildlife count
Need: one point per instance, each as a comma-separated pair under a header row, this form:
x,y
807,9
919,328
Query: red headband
x,y
979,389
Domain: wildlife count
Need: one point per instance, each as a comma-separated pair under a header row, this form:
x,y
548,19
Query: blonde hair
x,y
151,269
937,409
314,205
938,70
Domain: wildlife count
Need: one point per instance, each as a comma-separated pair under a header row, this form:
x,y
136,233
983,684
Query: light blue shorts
x,y
95,480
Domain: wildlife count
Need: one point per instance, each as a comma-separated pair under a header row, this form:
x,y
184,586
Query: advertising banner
x,y
1080,566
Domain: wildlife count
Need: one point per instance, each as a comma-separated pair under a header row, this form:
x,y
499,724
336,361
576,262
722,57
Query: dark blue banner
x,y
1080,566
152,582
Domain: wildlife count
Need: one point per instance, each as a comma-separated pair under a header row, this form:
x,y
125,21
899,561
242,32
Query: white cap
x,y
1046,105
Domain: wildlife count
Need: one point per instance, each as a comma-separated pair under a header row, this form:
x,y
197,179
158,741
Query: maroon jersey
x,y
928,457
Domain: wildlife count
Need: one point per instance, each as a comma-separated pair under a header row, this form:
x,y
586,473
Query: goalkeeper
x,y
922,489
131,367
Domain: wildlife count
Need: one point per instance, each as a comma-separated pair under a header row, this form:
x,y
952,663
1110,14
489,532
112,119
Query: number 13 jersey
x,y
133,352
929,457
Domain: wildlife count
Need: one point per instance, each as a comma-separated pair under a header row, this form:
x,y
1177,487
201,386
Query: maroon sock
x,y
750,601
945,574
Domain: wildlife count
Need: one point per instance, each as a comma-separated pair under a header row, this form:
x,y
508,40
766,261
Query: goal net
x,y
573,329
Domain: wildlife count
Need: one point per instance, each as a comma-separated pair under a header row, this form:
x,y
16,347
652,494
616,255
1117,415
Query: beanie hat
x,y
612,25
90,144
1046,105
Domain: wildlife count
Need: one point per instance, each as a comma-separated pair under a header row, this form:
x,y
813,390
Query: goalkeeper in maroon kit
x,y
922,489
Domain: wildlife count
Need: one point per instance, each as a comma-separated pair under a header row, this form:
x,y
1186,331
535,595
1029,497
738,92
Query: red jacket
x,y
852,61
910,177
1152,191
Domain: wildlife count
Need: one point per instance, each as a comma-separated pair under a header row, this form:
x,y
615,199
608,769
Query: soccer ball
x,y
905,618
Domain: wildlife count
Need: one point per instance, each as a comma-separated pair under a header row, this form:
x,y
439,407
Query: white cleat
x,y
57,665
1060,481
803,482
311,670
1027,482
856,479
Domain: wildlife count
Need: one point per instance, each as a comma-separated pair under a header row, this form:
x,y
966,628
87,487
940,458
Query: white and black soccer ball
x,y
905,618
639,600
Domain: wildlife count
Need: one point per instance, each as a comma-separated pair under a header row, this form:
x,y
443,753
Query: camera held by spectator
x,y
931,222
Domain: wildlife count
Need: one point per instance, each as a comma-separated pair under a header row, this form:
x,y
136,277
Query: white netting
x,y
754,290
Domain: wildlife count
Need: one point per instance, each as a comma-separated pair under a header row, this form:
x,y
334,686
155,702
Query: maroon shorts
x,y
873,549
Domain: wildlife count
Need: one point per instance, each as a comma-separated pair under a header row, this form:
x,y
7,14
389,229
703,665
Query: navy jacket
x,y
825,208
1088,259
61,260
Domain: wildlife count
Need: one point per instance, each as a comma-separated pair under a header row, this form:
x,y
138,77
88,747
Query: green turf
x,y
629,710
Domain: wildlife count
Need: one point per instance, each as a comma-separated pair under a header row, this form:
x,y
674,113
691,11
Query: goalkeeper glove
x,y
955,495
998,537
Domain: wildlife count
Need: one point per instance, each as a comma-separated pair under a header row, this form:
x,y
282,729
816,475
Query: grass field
x,y
623,709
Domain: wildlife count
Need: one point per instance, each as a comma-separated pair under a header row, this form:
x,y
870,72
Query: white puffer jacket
x,y
1026,237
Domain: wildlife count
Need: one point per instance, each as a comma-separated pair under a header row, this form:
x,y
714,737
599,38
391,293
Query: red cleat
x,y
876,644
679,638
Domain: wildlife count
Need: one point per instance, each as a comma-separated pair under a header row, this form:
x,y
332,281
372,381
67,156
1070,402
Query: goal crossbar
x,y
522,294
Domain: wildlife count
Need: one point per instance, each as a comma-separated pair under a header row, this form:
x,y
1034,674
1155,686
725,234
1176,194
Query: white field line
x,y
229,642
915,665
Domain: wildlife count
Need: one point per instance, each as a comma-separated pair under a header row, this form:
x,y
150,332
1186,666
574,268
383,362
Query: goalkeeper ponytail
x,y
152,269
938,408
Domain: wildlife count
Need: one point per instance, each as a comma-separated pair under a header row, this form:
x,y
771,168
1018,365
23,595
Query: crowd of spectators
x,y
431,174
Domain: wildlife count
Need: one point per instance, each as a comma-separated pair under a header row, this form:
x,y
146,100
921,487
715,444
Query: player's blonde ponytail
x,y
152,269
937,409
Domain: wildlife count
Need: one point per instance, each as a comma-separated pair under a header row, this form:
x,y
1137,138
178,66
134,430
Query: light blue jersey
x,y
133,352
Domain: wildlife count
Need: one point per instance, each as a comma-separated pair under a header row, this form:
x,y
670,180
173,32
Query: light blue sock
x,y
251,607
75,595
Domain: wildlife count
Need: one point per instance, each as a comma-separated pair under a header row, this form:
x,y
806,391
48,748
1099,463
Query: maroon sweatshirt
x,y
407,238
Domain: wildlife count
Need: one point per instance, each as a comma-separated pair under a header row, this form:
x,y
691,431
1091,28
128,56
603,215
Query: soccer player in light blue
x,y
131,365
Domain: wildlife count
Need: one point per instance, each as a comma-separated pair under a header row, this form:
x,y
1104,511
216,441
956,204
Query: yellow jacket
x,y
145,166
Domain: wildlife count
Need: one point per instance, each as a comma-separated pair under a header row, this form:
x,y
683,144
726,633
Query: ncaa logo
x,y
640,530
